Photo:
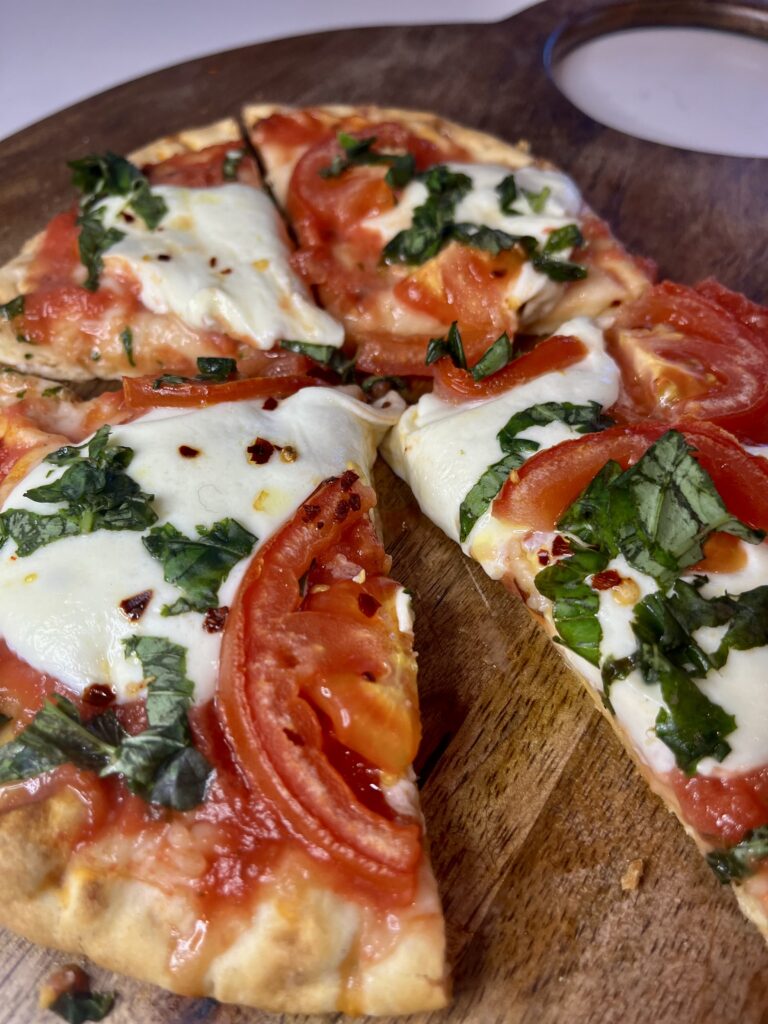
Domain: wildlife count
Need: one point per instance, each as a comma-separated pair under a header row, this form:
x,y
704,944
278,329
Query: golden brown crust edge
x,y
41,360
296,953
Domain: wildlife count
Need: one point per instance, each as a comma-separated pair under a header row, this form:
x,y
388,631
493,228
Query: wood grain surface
x,y
534,811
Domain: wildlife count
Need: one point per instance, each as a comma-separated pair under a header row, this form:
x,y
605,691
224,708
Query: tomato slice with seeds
x,y
287,660
723,808
694,353
142,392
540,492
453,384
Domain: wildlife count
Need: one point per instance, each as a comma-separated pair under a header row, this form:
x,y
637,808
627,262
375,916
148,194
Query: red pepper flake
x,y
270,404
606,580
309,512
347,480
99,695
560,546
225,271
134,607
369,676
188,453
368,604
355,502
260,451
163,257
215,619
341,511
543,557
127,217
212,262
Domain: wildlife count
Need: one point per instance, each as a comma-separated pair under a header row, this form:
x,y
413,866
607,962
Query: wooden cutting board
x,y
533,810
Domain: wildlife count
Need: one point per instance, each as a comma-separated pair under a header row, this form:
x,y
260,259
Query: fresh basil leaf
x,y
558,270
479,236
79,1007
369,383
748,626
451,345
742,860
358,152
198,566
95,490
480,496
94,239
576,604
585,419
52,392
216,368
320,353
126,339
13,308
494,359
538,200
99,176
231,164
507,192
567,237
432,222
180,781
588,517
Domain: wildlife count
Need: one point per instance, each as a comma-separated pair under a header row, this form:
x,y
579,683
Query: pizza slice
x,y
173,254
209,700
615,475
406,222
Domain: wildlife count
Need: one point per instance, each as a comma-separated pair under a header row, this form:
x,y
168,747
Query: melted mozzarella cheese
x,y
60,606
481,205
219,260
441,449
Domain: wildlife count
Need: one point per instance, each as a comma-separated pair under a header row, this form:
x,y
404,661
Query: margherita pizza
x,y
209,683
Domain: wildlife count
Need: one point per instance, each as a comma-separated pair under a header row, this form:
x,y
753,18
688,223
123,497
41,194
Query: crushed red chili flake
x,y
355,502
127,217
368,604
215,619
543,557
164,257
341,511
187,452
309,512
212,261
134,607
270,404
561,546
371,678
99,695
225,271
260,451
347,480
606,580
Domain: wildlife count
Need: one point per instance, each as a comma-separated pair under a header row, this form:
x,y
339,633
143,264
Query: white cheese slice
x,y
60,606
481,205
219,260
441,449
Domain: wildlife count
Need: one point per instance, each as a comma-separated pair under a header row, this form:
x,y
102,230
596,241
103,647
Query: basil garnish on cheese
x,y
585,419
198,565
159,764
575,603
231,164
433,221
743,859
95,493
13,308
213,369
98,177
359,152
507,193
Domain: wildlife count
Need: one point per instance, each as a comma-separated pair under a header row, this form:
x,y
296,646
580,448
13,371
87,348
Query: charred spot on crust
x,y
215,619
134,607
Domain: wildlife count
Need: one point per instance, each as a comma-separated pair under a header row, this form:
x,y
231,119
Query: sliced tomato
x,y
537,494
204,168
141,392
723,809
700,353
287,661
453,384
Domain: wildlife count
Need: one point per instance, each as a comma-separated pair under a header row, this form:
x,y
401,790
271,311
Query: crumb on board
x,y
632,877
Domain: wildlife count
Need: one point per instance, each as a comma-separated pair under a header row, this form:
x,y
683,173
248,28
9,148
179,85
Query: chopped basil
x,y
538,200
743,859
432,224
567,237
320,353
126,337
53,391
198,566
98,177
507,192
13,308
490,240
95,491
576,604
450,346
79,1007
369,383
232,160
216,368
358,152
585,419
494,359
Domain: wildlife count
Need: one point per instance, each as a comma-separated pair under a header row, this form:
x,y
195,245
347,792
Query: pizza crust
x,y
54,364
298,951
